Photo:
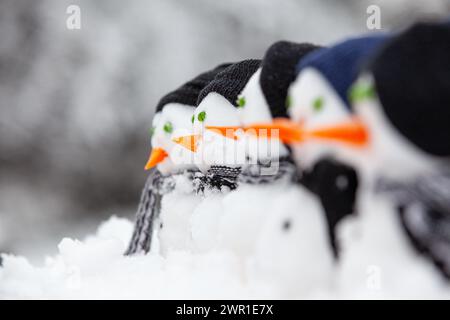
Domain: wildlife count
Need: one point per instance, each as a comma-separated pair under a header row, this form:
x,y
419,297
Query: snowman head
x,y
319,93
318,96
216,108
212,147
404,102
313,100
263,98
400,125
173,118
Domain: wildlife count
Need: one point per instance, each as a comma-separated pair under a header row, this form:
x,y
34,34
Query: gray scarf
x,y
424,208
217,177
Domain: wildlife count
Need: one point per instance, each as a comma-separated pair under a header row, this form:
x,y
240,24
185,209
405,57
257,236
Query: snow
x,y
255,242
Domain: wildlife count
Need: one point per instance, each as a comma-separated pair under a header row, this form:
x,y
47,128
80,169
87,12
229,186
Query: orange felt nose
x,y
189,142
156,156
228,132
352,132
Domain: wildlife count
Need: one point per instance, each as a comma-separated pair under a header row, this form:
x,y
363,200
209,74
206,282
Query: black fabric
x,y
265,172
412,80
217,177
278,72
337,201
188,93
230,81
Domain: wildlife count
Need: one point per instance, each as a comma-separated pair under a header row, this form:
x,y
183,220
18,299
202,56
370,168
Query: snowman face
x,y
172,121
313,101
252,104
253,108
388,153
214,110
214,148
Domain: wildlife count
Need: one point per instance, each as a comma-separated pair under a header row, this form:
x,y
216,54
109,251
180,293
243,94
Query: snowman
x,y
398,140
263,101
318,96
218,157
225,158
169,163
402,98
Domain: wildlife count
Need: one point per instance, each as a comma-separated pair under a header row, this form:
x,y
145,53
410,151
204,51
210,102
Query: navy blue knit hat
x,y
188,93
341,63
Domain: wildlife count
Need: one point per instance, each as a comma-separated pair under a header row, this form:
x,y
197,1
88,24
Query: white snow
x,y
255,242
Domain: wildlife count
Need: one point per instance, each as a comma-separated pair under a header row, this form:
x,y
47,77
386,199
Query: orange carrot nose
x,y
353,132
189,142
156,156
287,130
228,132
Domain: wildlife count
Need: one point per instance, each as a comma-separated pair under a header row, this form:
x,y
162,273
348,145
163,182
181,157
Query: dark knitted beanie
x,y
341,63
188,93
412,80
279,71
230,82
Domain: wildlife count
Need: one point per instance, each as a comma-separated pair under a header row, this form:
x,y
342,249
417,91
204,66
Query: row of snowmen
x,y
320,168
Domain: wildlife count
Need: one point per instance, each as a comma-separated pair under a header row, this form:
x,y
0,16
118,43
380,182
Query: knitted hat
x,y
230,82
188,93
278,72
412,81
340,64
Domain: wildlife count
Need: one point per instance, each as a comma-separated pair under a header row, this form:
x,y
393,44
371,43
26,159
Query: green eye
x,y
168,127
151,131
361,91
241,102
201,116
193,118
288,101
318,104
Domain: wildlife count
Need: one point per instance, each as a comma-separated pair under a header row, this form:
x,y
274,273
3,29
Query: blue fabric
x,y
340,63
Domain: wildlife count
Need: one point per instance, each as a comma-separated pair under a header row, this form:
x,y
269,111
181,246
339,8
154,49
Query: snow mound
x,y
277,249
96,269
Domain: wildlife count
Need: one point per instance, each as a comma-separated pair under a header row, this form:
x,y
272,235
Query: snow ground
x,y
238,251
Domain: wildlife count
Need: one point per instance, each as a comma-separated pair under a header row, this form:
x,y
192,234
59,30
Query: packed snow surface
x,y
255,242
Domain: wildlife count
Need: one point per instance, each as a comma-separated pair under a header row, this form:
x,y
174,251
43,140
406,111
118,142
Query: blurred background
x,y
76,105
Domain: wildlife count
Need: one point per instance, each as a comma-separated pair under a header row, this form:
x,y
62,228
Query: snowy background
x,y
75,105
